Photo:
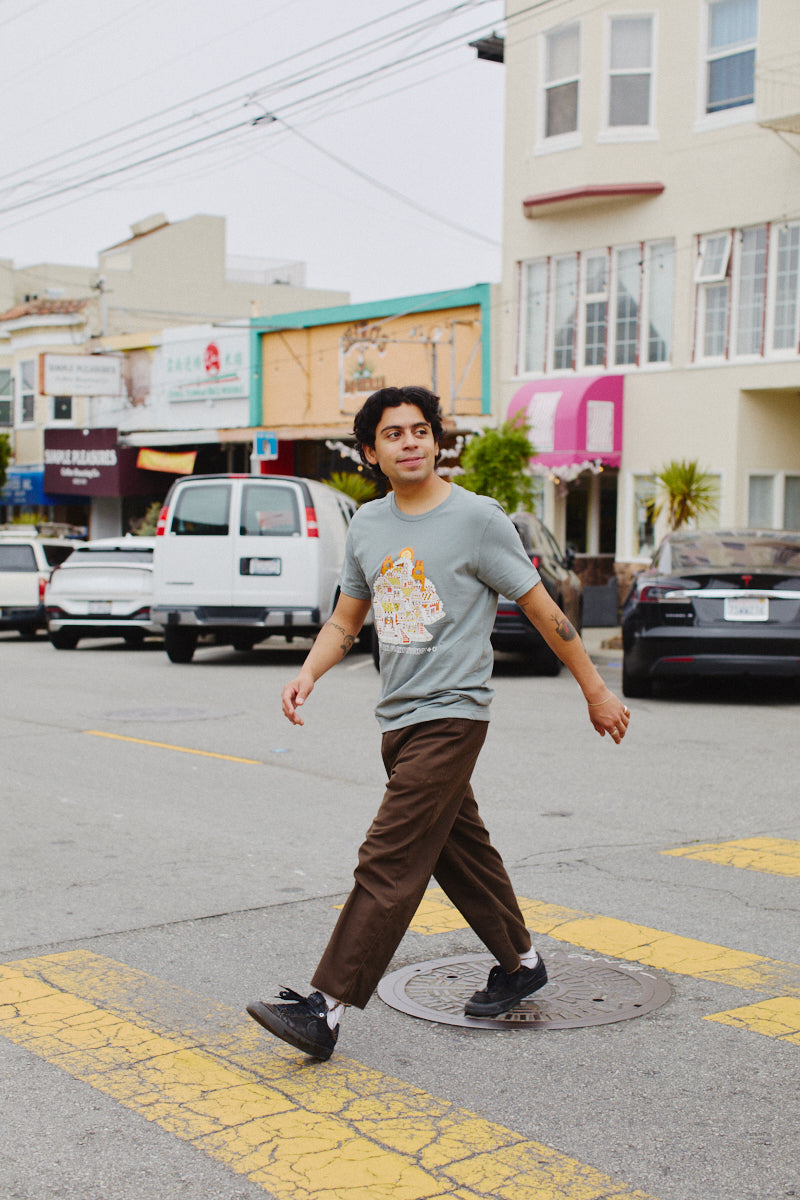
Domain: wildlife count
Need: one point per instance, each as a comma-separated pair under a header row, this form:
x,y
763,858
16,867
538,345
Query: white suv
x,y
26,562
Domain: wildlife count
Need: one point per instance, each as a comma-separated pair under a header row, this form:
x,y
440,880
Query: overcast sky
x,y
377,158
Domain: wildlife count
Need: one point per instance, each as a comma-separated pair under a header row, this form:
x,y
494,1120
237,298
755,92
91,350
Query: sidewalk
x,y
602,641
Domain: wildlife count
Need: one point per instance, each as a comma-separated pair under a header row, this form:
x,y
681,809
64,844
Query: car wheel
x,y
635,687
27,632
180,645
63,639
135,638
243,642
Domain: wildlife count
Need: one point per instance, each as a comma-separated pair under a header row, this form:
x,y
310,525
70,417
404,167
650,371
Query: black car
x,y
512,630
714,602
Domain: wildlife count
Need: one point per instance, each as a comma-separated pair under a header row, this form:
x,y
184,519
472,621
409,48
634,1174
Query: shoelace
x,y
305,1001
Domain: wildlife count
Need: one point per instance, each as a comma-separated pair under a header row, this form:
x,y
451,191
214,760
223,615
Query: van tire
x,y
180,645
63,639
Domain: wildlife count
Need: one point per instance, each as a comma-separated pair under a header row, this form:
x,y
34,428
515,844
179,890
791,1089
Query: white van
x,y
244,557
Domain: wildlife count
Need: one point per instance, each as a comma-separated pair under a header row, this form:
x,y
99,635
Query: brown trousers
x,y
427,825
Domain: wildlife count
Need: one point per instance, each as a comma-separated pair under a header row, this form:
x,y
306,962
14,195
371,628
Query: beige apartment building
x,y
651,278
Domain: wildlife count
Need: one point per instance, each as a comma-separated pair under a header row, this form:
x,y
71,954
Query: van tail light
x,y
536,560
312,529
42,586
161,527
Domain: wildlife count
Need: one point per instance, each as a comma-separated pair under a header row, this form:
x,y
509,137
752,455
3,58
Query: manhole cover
x,y
580,991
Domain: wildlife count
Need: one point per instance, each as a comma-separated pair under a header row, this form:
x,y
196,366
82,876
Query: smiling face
x,y
405,448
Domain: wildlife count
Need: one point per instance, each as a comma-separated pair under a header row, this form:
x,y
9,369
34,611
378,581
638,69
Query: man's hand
x,y
294,696
609,716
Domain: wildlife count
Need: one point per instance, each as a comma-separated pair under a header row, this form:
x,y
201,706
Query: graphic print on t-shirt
x,y
404,602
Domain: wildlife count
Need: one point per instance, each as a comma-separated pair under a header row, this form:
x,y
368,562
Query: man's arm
x,y
607,713
333,641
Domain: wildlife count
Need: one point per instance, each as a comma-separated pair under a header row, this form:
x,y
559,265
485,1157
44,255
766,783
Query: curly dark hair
x,y
368,417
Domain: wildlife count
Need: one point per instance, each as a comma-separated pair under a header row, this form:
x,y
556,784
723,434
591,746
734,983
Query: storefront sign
x,y
89,462
80,375
210,369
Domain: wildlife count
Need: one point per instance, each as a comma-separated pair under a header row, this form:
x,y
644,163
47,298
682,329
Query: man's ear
x,y
370,455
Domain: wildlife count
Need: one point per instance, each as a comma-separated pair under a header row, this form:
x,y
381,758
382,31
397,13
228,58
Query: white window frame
x,y
724,116
770,350
645,252
585,299
629,133
560,141
26,392
708,279
7,397
778,479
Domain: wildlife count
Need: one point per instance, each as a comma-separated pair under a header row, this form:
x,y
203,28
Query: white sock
x,y
335,1010
530,959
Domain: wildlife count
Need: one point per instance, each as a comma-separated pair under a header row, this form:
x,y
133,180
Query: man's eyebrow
x,y
412,425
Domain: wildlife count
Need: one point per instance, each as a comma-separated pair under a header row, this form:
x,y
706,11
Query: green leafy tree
x,y
687,491
5,457
353,485
496,463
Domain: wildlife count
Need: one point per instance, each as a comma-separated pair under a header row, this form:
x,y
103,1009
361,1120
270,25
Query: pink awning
x,y
572,420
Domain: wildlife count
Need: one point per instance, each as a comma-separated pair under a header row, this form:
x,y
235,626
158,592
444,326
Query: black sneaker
x,y
504,991
302,1023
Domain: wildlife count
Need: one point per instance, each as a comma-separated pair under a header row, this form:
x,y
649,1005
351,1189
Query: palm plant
x,y
353,485
688,492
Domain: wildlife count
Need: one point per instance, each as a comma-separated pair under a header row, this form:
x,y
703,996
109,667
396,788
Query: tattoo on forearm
x,y
347,638
564,628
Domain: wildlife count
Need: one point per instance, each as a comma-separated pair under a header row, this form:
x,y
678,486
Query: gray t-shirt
x,y
434,580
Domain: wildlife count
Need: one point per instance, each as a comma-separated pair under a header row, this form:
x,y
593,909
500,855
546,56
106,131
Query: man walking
x,y
430,559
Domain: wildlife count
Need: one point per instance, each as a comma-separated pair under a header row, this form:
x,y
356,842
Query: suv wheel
x,y
635,687
180,645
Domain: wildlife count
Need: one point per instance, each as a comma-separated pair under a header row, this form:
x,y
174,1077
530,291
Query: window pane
x,y
644,503
732,22
535,316
659,301
627,306
269,511
752,278
731,81
202,511
5,382
6,412
629,100
29,376
596,315
716,322
27,408
791,503
714,256
566,283
760,501
562,110
563,53
630,43
787,277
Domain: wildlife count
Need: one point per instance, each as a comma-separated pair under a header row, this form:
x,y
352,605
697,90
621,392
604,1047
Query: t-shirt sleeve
x,y
352,580
503,564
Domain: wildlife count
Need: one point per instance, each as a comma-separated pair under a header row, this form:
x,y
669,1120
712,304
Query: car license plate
x,y
746,608
265,566
99,608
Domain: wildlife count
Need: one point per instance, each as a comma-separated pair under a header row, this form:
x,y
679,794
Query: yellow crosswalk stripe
x,y
631,943
777,1018
302,1131
774,856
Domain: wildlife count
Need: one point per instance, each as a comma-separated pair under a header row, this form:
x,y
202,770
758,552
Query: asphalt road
x,y
172,848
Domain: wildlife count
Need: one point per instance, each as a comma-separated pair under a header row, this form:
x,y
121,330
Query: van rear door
x,y
276,561
194,560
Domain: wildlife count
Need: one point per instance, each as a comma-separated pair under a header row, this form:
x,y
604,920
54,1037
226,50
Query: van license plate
x,y
265,566
746,608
